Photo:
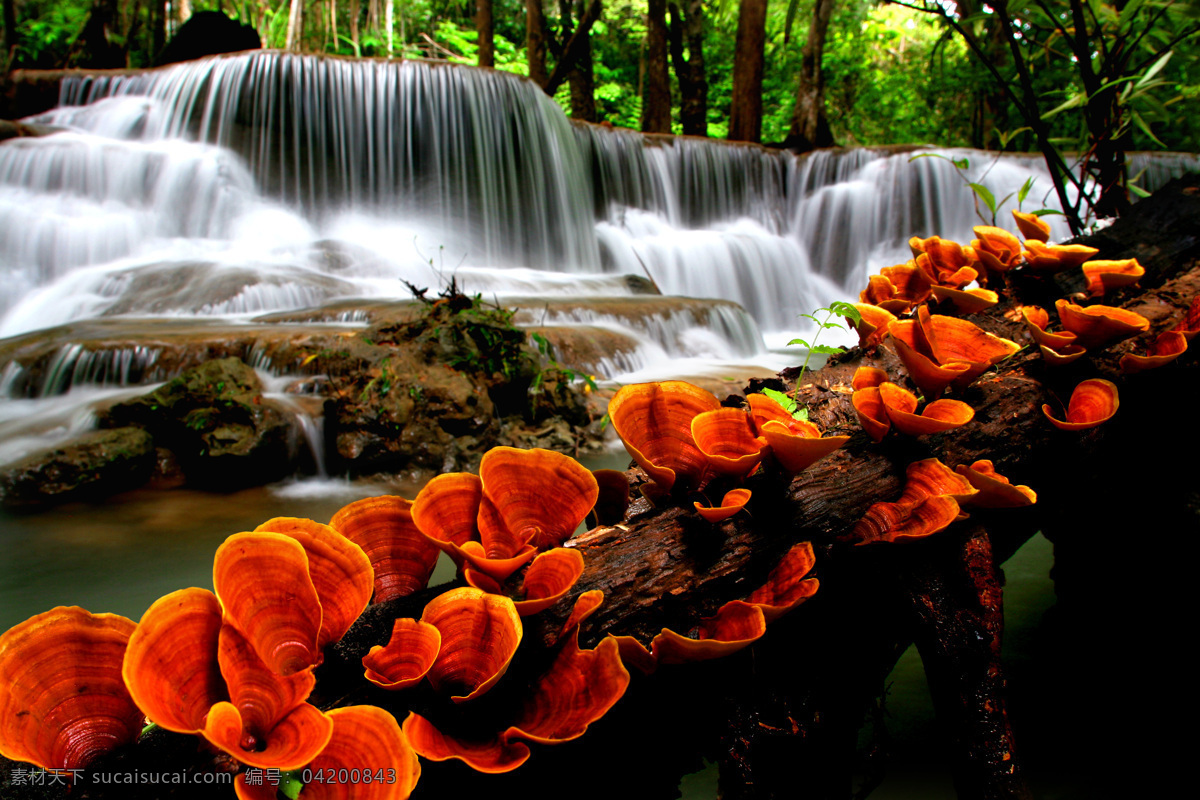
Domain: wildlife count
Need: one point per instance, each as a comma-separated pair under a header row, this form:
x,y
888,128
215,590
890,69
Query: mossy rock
x,y
213,418
95,465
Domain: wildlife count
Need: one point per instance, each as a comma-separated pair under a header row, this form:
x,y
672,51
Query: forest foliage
x,y
892,74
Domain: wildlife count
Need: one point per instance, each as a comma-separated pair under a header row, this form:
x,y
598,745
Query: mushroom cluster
x,y
685,441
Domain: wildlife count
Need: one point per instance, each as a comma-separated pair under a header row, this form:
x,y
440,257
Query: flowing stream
x,y
217,193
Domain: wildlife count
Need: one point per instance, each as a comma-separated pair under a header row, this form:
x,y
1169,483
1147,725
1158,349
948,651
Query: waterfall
x,y
268,182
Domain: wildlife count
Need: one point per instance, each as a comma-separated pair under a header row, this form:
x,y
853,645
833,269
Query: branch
x,y
574,47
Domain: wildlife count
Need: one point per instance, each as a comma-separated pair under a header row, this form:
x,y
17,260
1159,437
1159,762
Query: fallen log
x,y
782,717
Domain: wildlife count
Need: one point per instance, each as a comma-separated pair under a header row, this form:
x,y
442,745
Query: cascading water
x,y
266,182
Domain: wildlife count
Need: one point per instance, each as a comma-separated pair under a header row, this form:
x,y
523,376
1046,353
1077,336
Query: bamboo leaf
x,y
984,194
1141,123
1073,102
1021,195
1155,68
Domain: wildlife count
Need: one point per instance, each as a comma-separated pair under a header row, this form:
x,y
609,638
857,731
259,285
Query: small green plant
x,y
840,309
553,367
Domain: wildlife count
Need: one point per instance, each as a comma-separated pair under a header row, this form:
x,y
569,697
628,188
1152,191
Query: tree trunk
x,y
485,29
10,32
745,111
810,128
687,26
295,27
574,48
583,79
355,9
656,95
535,42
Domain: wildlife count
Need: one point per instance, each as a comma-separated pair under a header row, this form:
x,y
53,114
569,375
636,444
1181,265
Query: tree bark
x,y
810,127
10,32
535,42
656,94
687,27
295,26
485,29
574,48
745,111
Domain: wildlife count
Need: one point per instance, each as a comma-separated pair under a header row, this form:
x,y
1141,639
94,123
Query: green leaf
x,y
1073,102
846,310
985,195
801,414
1139,191
1007,136
290,785
826,350
1141,123
1045,212
1021,195
788,404
1155,68
800,342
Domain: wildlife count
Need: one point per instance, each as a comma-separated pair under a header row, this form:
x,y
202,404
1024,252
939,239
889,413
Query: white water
x,y
251,184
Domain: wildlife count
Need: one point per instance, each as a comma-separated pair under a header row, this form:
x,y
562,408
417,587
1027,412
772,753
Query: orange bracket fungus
x,y
1105,275
735,625
578,688
480,633
1031,226
401,557
265,591
1189,326
1097,327
994,490
1052,258
796,444
900,405
787,586
996,248
266,722
872,325
894,522
654,420
368,757
1094,401
407,657
1037,320
733,502
522,501
62,700
966,301
1165,348
171,665
539,496
929,477
726,436
939,351
339,569
190,673
546,581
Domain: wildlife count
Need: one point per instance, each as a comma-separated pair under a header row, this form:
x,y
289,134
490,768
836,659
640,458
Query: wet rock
x,y
96,465
214,420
